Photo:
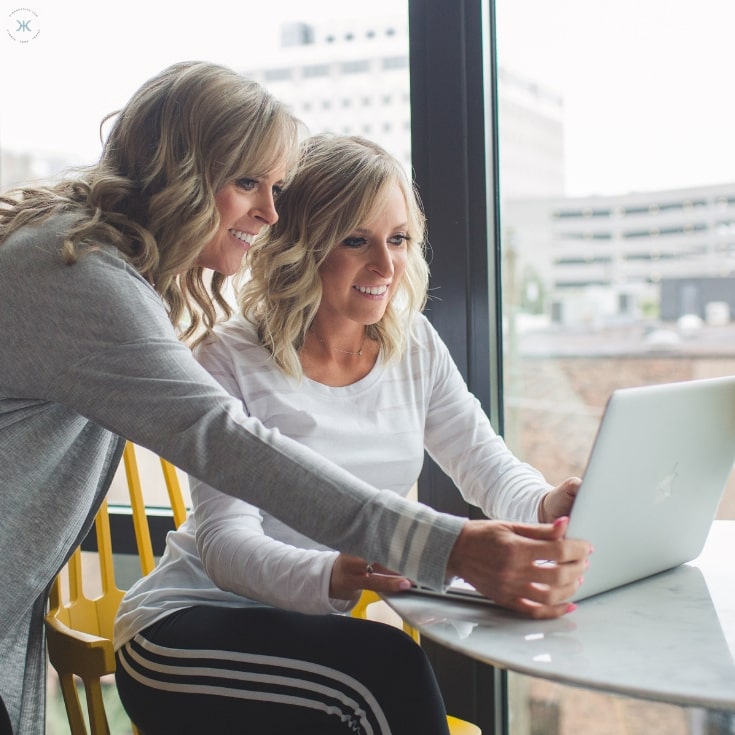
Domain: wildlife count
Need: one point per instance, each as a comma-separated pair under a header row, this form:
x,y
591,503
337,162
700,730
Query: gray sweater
x,y
88,356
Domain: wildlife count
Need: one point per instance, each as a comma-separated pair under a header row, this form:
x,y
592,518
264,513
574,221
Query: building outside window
x,y
616,186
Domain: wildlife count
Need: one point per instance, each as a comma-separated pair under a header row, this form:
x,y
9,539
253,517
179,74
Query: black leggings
x,y
264,670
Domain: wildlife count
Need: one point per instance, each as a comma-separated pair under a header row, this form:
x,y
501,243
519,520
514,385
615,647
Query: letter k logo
x,y
23,25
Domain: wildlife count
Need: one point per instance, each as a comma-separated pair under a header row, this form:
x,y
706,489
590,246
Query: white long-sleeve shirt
x,y
229,552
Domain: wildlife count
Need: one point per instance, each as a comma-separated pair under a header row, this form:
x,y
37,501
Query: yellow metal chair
x,y
367,598
79,627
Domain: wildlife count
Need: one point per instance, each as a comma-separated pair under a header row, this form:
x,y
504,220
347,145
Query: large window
x,y
67,65
616,225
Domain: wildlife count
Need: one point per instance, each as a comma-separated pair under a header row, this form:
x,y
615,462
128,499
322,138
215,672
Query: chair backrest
x,y
79,623
368,598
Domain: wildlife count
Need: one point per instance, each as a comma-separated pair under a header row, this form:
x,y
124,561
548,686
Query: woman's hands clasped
x,y
351,574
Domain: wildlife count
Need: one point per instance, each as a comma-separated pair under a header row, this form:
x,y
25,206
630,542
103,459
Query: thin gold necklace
x,y
358,353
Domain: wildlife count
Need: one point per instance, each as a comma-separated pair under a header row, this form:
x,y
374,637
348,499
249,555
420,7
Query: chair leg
x,y
74,714
96,706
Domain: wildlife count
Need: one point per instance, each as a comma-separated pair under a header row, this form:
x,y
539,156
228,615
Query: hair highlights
x,y
183,135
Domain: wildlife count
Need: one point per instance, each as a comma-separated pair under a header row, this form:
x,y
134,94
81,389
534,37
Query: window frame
x,y
454,135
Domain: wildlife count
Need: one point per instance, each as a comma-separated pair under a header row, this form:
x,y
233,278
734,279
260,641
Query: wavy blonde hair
x,y
184,134
340,183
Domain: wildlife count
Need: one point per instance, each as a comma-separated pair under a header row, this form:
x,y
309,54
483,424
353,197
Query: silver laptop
x,y
657,471
654,480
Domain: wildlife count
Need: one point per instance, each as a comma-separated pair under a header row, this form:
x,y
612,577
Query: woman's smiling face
x,y
362,273
245,206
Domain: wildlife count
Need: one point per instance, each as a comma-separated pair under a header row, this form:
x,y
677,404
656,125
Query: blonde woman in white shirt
x,y
331,349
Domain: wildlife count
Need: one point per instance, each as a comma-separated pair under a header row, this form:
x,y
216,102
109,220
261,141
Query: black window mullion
x,y
454,155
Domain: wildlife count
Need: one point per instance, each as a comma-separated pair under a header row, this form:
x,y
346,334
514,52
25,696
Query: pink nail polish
x,y
571,607
560,520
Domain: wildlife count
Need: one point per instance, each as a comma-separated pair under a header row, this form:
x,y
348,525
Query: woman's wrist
x,y
542,513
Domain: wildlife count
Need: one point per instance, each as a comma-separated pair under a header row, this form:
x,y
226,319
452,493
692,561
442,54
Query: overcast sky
x,y
646,83
647,86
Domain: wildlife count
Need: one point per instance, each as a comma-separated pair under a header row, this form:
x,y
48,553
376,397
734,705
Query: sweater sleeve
x,y
460,438
102,345
239,557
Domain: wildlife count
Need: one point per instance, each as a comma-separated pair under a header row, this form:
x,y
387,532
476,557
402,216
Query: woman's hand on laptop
x,y
558,502
529,568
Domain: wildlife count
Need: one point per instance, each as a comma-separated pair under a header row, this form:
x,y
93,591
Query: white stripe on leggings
x,y
342,680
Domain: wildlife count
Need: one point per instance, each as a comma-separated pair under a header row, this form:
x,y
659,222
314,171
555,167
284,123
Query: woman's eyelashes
x,y
357,242
248,184
399,238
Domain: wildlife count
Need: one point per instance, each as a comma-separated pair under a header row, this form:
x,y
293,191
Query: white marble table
x,y
669,638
